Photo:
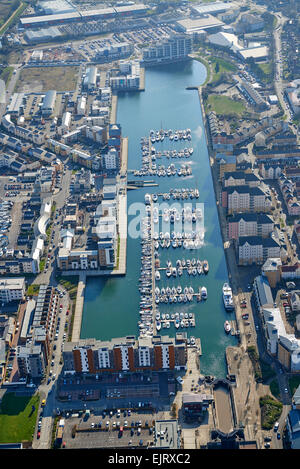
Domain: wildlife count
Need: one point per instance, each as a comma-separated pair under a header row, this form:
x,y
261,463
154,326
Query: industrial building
x,y
257,53
42,35
83,15
230,41
195,25
213,8
56,6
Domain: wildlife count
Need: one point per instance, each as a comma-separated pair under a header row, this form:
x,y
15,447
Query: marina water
x,y
111,306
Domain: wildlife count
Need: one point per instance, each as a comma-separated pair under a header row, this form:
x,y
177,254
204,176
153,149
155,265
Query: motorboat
x,y
227,297
227,327
203,293
205,266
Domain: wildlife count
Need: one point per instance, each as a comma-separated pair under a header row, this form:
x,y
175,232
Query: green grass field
x,y
17,420
223,105
220,66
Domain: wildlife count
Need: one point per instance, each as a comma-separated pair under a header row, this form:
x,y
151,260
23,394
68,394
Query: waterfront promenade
x,y
142,79
124,158
79,307
113,111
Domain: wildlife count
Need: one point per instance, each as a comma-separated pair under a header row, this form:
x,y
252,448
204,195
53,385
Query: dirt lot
x,y
41,79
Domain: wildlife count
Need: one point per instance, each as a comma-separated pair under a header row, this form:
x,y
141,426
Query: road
x,y
278,82
47,390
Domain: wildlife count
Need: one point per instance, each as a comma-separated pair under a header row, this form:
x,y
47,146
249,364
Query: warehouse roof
x,y
255,52
49,18
190,25
214,8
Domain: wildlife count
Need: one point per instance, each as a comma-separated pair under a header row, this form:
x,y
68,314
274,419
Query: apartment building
x,y
270,170
111,160
105,233
256,250
244,199
114,52
249,224
30,360
176,47
128,77
240,178
126,354
12,289
38,328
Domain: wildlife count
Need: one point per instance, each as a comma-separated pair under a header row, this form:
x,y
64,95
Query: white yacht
x,y
227,327
203,293
227,297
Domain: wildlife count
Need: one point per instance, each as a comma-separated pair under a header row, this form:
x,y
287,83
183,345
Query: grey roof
x,y
169,436
263,290
260,218
257,240
244,190
294,422
296,396
49,100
